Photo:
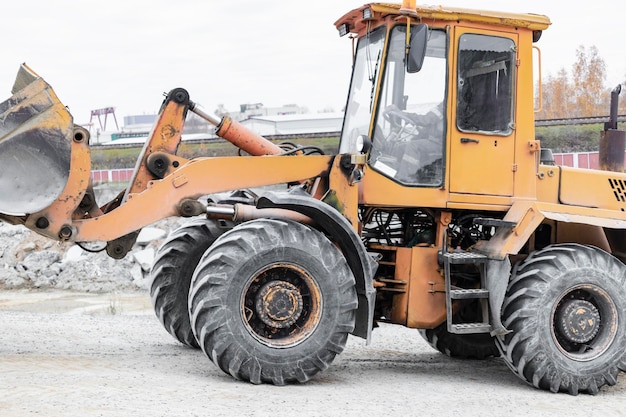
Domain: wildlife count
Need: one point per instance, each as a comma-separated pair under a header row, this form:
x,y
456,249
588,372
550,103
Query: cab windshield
x,y
367,63
408,136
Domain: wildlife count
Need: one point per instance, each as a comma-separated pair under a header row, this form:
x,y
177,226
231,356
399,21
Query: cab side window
x,y
486,76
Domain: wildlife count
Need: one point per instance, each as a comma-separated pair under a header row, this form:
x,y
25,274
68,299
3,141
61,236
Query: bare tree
x,y
589,78
557,96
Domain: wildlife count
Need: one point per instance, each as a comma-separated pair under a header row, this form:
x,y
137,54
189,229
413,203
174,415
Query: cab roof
x,y
355,21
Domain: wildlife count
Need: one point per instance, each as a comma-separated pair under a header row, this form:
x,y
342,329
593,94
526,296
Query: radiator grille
x,y
619,189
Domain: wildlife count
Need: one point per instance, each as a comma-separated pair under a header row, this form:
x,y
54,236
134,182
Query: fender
x,y
331,222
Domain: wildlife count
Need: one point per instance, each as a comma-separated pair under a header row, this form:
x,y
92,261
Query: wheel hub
x,y
578,320
279,304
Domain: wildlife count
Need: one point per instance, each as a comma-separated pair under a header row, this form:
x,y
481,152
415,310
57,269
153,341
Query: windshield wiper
x,y
372,79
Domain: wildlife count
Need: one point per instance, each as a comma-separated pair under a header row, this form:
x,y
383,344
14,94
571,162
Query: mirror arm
x,y
407,42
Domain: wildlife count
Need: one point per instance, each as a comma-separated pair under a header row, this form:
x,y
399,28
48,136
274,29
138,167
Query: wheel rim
x,y
281,305
584,322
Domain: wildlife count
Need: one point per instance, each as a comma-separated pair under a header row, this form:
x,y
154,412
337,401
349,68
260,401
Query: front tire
x,y
171,275
566,308
272,301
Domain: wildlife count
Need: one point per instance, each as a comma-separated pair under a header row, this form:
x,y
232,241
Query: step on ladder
x,y
455,293
481,294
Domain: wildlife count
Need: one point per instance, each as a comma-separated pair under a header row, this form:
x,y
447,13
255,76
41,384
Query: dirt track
x,y
68,354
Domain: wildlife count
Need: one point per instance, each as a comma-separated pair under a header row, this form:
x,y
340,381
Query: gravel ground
x,y
79,354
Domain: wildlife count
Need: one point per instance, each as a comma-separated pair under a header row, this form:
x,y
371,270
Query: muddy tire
x,y
171,275
461,346
566,308
272,301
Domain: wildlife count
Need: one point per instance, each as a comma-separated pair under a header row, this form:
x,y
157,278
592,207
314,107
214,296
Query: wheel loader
x,y
437,213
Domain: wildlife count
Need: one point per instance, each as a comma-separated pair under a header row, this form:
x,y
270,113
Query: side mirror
x,y
417,48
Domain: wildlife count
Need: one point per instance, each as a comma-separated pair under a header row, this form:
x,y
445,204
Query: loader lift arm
x,y
164,185
160,181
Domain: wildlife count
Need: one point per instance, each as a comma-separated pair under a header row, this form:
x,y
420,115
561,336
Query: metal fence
x,y
111,175
590,160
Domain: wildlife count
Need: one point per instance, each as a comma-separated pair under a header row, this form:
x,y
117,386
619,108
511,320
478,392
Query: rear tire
x,y
272,301
566,308
171,275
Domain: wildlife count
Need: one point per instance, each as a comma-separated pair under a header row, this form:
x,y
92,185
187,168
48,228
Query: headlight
x,y
344,29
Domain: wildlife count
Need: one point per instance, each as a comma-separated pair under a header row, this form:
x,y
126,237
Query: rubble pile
x,y
30,261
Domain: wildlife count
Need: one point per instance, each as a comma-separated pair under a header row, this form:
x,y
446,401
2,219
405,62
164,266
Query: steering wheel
x,y
396,117
403,127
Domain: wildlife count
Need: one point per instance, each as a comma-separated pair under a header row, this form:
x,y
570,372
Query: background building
x,y
266,121
295,124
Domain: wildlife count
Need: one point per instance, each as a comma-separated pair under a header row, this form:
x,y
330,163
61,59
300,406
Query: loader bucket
x,y
35,144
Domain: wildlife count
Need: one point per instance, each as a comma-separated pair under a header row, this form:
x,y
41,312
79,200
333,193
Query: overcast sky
x,y
125,54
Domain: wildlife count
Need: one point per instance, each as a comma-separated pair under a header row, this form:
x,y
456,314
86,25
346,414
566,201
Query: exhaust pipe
x,y
612,140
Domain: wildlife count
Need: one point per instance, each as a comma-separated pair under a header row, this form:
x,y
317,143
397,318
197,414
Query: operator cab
x,y
430,108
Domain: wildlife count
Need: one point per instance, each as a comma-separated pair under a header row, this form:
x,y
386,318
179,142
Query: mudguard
x,y
331,222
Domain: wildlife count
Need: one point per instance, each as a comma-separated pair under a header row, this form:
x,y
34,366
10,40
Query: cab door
x,y
482,128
